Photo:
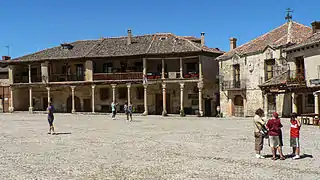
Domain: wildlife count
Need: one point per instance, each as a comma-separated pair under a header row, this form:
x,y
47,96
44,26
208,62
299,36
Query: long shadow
x,y
290,156
61,133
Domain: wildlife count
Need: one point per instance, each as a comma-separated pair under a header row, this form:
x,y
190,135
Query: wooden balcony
x,y
234,85
64,77
172,75
295,78
118,76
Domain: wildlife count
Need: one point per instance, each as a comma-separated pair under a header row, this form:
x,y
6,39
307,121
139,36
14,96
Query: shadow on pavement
x,y
61,133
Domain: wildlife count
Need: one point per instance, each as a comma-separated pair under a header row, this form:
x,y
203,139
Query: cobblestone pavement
x,y
152,147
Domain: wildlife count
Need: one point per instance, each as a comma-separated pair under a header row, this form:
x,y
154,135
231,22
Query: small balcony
x,y
294,78
118,76
64,77
234,85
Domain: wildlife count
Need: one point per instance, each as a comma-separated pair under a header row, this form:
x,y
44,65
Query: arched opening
x,y
76,103
238,106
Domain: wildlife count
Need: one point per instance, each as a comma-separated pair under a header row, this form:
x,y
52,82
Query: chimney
x,y
202,39
233,43
129,37
315,26
6,58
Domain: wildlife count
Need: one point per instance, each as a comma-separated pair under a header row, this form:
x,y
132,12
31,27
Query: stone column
x,y
200,87
164,100
316,103
44,72
30,100
11,106
181,69
129,92
181,98
294,103
244,107
230,106
144,60
265,105
48,92
11,74
162,69
92,98
113,92
73,110
200,69
30,73
145,99
88,70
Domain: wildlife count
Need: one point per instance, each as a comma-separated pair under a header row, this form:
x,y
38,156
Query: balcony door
x,y
79,71
300,68
269,66
236,75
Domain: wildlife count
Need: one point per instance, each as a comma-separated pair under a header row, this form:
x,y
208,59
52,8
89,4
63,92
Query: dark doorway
x,y
76,103
87,105
4,96
272,104
208,108
45,103
299,104
238,106
159,106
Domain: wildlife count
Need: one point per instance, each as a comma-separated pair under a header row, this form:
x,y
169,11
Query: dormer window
x,y
163,38
66,46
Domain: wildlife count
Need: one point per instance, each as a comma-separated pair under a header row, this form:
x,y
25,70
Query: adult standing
x,y
258,125
113,110
274,126
50,111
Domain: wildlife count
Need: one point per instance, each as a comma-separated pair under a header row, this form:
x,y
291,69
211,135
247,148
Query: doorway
x,y
238,106
76,103
159,105
87,105
299,104
208,108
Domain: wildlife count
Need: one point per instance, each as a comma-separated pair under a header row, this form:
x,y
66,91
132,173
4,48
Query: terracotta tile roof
x,y
277,80
160,43
275,38
313,39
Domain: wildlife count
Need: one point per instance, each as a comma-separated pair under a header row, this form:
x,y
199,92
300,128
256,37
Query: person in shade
x,y
274,125
50,111
294,136
113,110
258,125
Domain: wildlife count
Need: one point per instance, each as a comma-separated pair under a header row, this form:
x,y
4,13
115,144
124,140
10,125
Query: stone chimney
x,y
129,38
233,43
315,26
6,57
202,39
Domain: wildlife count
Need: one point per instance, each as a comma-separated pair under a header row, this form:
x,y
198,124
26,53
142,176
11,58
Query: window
x,y
123,66
140,92
269,65
107,68
300,68
191,67
138,66
122,93
79,70
104,93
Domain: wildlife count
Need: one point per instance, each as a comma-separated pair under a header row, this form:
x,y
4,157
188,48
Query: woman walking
x,y
50,110
258,125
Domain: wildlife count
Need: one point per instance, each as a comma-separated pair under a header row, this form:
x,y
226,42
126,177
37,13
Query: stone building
x,y
300,84
247,72
4,87
158,73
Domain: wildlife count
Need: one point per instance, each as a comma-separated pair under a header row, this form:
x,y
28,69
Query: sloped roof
x,y
160,43
276,80
313,39
275,38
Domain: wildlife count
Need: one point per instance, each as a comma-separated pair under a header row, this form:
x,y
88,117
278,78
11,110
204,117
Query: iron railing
x,y
64,77
234,85
118,76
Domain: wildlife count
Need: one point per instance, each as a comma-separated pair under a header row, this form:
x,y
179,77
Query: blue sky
x,y
30,26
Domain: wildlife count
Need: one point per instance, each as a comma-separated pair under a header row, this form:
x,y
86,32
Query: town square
x,y
149,147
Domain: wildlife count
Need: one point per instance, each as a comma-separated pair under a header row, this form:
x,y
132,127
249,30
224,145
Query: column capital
x,y
48,88
113,86
145,86
181,85
200,85
128,85
93,86
164,85
315,93
73,87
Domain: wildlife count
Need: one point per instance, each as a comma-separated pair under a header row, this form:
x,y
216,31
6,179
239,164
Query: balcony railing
x,y
295,78
172,75
21,79
64,77
118,76
234,85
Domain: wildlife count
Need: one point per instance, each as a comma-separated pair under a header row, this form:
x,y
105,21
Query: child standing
x,y
294,136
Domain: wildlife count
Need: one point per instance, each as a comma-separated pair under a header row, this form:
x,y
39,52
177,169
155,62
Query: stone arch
x,y
77,104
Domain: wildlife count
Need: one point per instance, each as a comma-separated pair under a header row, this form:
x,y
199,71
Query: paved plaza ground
x,y
151,147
